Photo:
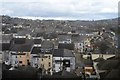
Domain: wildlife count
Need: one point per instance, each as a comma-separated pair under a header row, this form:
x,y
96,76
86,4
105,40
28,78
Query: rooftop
x,y
64,37
24,32
36,50
5,38
46,44
63,53
26,47
66,46
51,35
37,41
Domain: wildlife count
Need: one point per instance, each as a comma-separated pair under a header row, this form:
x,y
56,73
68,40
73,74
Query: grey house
x,y
63,58
34,58
41,56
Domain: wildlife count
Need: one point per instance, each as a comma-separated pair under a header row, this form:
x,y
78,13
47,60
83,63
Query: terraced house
x,y
41,56
47,48
19,54
63,59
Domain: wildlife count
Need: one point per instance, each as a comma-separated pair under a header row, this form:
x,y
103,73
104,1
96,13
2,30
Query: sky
x,y
60,9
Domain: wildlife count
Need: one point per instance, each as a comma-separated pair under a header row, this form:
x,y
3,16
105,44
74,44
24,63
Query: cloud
x,y
69,9
109,10
6,11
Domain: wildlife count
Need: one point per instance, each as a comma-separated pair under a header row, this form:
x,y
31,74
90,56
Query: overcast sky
x,y
61,9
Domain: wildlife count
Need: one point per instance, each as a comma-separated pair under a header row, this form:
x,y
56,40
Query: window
x,y
27,61
49,64
42,59
66,63
16,56
20,56
15,62
49,57
48,72
20,61
54,66
27,54
59,68
58,61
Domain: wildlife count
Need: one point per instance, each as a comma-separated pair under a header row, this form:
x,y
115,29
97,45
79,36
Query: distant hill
x,y
78,25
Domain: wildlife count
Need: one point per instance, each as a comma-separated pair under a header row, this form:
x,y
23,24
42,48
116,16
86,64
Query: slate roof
x,y
19,40
64,37
46,44
62,53
50,35
58,52
36,50
4,46
6,38
114,74
47,47
66,46
21,48
24,32
107,35
78,38
38,30
68,53
108,64
5,41
37,41
39,34
26,47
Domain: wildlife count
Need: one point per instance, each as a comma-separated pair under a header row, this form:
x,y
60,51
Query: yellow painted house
x,y
46,63
46,56
41,56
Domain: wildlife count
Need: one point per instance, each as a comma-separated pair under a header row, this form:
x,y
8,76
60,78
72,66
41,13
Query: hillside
x,y
77,25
